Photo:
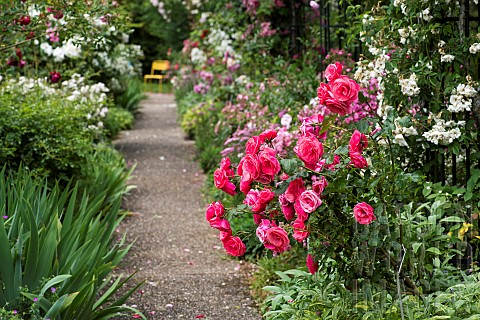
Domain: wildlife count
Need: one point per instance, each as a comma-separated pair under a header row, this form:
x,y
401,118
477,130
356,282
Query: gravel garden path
x,y
187,275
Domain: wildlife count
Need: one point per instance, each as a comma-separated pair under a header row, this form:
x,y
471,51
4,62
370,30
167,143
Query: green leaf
x,y
434,250
341,150
273,289
416,246
468,195
53,282
453,219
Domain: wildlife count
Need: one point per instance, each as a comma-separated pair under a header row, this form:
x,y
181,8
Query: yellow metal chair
x,y
157,65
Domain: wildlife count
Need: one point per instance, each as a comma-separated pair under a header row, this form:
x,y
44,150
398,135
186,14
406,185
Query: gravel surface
x,y
186,272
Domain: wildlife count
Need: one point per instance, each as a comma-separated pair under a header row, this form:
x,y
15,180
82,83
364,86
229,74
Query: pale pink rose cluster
x,y
215,216
340,92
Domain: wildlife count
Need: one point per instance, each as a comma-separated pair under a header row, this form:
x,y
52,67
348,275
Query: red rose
x,y
25,20
268,135
363,213
249,167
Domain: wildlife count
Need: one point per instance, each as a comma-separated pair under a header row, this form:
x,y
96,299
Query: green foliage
x,y
61,239
300,295
131,96
117,119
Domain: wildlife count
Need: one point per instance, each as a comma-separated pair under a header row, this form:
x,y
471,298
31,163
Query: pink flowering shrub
x,y
284,193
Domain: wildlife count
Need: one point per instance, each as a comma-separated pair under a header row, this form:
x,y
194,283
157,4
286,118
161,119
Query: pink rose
x,y
333,71
309,201
245,186
363,213
257,218
301,214
214,209
224,235
300,232
311,265
249,168
262,229
319,185
264,197
226,165
287,208
234,246
268,161
335,106
220,224
276,239
268,135
309,150
357,160
294,190
220,179
265,178
358,142
344,89
312,125
251,198
253,145
323,92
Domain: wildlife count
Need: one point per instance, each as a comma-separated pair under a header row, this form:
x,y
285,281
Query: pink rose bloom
x,y
301,214
309,201
358,142
249,168
344,89
224,235
311,265
262,230
309,150
220,224
257,218
264,197
265,178
214,209
294,190
333,71
314,5
234,246
311,125
245,186
276,239
251,198
268,161
319,185
363,213
226,165
287,208
357,160
300,232
268,135
253,145
220,179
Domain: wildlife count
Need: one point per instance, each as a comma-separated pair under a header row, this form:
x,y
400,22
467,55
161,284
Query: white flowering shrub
x,y
425,60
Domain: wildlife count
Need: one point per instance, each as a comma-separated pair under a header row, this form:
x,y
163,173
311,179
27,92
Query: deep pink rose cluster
x,y
215,216
363,213
260,162
258,201
358,142
273,237
340,92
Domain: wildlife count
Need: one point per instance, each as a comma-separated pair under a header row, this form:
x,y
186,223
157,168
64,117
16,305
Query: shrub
x,y
116,120
131,95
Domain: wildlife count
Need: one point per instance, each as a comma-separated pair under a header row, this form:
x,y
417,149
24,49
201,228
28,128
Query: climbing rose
x,y
253,145
226,165
268,135
294,190
262,229
319,185
221,225
268,161
363,213
357,160
358,142
220,180
311,265
333,71
299,230
234,246
309,150
276,239
311,125
249,168
344,89
214,209
309,201
287,207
